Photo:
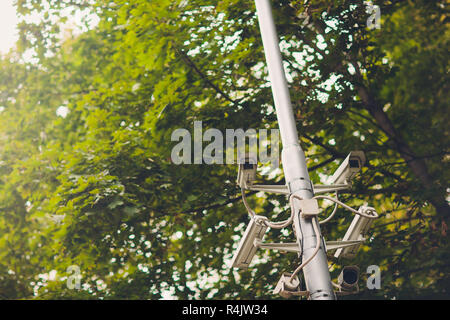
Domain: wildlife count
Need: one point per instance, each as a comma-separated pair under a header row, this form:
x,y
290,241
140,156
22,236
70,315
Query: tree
x,y
97,189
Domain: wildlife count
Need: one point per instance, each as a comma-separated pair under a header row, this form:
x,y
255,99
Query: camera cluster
x,y
252,240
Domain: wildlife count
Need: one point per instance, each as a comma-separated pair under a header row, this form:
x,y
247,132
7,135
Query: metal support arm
x,y
293,246
283,189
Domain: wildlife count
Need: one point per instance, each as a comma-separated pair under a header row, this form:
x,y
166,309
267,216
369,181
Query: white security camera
x,y
287,288
349,168
247,249
246,172
357,230
348,278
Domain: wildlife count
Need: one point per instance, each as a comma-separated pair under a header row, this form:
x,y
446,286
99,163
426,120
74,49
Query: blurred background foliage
x,y
97,188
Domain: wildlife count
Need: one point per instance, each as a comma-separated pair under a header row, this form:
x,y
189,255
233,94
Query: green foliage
x,y
97,188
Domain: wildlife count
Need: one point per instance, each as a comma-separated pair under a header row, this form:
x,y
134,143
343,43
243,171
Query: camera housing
x,y
246,171
286,288
247,249
358,229
348,168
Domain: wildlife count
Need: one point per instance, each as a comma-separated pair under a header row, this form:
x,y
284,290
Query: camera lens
x,y
350,276
354,164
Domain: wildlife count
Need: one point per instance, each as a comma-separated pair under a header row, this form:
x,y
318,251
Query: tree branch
x,y
416,164
190,63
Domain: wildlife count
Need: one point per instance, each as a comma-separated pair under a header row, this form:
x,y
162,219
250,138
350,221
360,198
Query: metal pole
x,y
317,276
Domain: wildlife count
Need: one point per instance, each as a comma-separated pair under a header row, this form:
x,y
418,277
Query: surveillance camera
x,y
287,288
247,249
357,230
348,278
246,171
349,168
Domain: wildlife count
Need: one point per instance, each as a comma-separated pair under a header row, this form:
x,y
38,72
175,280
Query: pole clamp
x,y
300,184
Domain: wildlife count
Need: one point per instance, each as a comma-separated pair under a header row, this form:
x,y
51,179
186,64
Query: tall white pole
x,y
317,276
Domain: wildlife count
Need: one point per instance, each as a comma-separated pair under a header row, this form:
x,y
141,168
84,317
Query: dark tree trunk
x,y
417,165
